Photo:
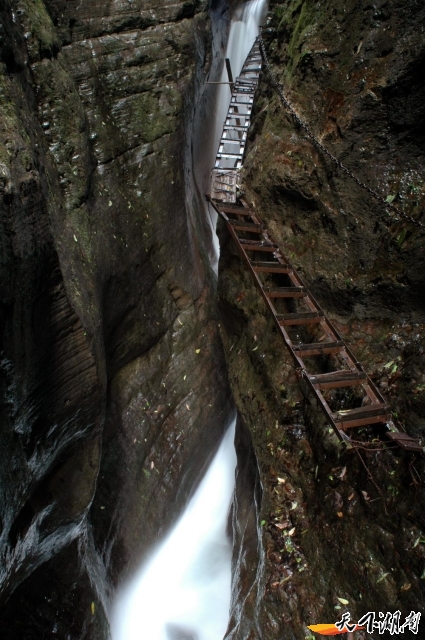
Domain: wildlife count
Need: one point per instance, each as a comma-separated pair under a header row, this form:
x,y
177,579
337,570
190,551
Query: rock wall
x,y
113,383
336,522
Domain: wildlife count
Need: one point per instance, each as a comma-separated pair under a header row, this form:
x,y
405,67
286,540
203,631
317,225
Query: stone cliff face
x,y
334,525
114,388
112,376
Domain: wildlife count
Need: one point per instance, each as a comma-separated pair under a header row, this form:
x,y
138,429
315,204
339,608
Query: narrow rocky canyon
x,y
121,354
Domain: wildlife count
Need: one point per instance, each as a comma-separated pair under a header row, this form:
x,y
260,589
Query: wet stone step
x,y
337,379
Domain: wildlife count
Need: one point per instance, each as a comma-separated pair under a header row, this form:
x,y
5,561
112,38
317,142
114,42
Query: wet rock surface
x,y
114,387
336,522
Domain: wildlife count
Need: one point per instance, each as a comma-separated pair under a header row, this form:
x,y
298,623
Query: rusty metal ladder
x,y
308,333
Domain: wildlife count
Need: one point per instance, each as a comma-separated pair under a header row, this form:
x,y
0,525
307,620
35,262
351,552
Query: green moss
x,y
155,114
35,19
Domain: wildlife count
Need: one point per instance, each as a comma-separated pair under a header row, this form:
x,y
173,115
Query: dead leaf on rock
x,y
339,502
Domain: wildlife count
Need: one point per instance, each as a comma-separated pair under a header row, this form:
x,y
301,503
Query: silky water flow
x,y
182,592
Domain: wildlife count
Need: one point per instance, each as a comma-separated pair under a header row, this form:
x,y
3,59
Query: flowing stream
x,y
182,592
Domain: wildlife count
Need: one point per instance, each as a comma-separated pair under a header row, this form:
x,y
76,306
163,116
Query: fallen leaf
x,y
281,525
406,586
281,480
110,203
294,506
75,238
343,473
152,465
197,351
340,514
93,608
291,532
351,496
343,600
384,575
184,377
255,348
339,502
187,407
390,198
180,322
365,496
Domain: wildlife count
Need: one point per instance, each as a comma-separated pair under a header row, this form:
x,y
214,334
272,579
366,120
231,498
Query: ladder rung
x,y
336,379
370,414
239,141
229,155
404,441
245,82
241,104
240,225
252,245
239,116
235,127
318,348
286,292
308,317
270,267
240,211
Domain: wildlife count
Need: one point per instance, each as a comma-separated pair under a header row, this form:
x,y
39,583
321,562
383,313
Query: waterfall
x,y
183,590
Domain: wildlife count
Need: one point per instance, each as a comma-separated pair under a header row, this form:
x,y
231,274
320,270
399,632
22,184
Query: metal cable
x,y
319,145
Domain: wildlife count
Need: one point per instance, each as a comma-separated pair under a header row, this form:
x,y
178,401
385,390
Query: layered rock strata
x,y
114,388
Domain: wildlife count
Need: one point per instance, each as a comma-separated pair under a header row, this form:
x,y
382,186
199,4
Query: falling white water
x,y
183,592
243,31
